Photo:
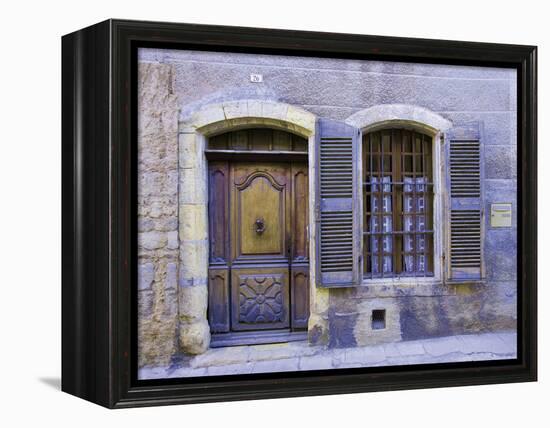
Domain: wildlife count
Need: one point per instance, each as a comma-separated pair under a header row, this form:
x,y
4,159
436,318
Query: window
x,y
391,233
398,204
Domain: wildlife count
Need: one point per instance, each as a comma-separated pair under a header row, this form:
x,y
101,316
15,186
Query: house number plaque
x,y
501,215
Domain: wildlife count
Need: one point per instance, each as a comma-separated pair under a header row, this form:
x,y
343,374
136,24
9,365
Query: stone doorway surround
x,y
194,130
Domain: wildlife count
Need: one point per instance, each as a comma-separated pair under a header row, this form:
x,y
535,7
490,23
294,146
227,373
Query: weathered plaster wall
x,y
157,214
337,89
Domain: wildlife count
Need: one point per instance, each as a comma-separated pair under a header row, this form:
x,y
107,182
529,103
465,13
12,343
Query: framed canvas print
x,y
253,213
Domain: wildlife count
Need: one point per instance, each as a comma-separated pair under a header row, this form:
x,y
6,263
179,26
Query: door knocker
x,y
260,225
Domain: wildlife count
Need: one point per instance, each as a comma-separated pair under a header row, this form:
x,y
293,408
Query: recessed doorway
x,y
259,251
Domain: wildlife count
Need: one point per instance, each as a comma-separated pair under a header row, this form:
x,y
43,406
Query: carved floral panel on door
x,y
260,301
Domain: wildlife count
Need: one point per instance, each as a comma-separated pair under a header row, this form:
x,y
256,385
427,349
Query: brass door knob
x,y
260,226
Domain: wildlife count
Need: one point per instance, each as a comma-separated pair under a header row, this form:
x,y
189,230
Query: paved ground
x,y
300,356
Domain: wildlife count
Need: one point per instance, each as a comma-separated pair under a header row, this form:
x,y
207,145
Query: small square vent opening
x,y
378,319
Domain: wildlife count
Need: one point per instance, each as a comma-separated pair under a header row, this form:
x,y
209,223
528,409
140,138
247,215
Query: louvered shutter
x,y
337,204
466,211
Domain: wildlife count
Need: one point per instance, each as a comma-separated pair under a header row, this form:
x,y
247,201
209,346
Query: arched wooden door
x,y
258,276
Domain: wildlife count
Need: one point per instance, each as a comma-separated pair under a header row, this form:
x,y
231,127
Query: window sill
x,y
407,286
400,281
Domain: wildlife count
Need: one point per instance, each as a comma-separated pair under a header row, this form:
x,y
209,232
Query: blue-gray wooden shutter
x,y
465,203
338,207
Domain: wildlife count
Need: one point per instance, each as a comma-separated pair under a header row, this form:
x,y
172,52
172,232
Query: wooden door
x,y
258,287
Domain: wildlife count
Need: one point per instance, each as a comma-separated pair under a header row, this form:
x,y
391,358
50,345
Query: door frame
x,y
194,130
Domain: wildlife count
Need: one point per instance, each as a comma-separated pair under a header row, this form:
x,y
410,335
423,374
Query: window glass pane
x,y
407,164
387,164
398,200
381,224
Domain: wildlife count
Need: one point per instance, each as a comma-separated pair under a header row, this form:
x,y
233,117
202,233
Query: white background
x,y
30,214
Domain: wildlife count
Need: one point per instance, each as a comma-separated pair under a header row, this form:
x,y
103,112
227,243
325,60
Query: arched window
x,y
398,183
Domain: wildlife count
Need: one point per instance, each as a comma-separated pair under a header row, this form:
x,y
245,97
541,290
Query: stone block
x,y
171,276
146,298
207,114
191,150
391,350
145,224
193,187
410,348
321,299
301,117
221,357
173,242
146,275
157,152
364,356
316,362
194,337
279,351
161,223
193,260
158,207
193,303
510,340
193,222
153,183
277,111
235,109
286,365
152,240
169,303
231,369
478,343
156,344
442,346
171,373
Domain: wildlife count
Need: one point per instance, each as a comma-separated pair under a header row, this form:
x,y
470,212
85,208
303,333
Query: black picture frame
x,y
99,224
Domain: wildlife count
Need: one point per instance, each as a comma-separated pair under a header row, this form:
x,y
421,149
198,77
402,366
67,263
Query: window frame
x,y
438,220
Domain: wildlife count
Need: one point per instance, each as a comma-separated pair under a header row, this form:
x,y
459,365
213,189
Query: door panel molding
x,y
218,300
299,289
247,246
260,299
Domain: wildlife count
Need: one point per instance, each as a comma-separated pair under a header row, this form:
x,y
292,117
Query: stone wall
x,y
331,88
157,214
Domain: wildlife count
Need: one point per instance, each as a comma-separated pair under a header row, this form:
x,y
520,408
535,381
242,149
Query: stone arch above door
x,y
394,115
231,115
194,129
